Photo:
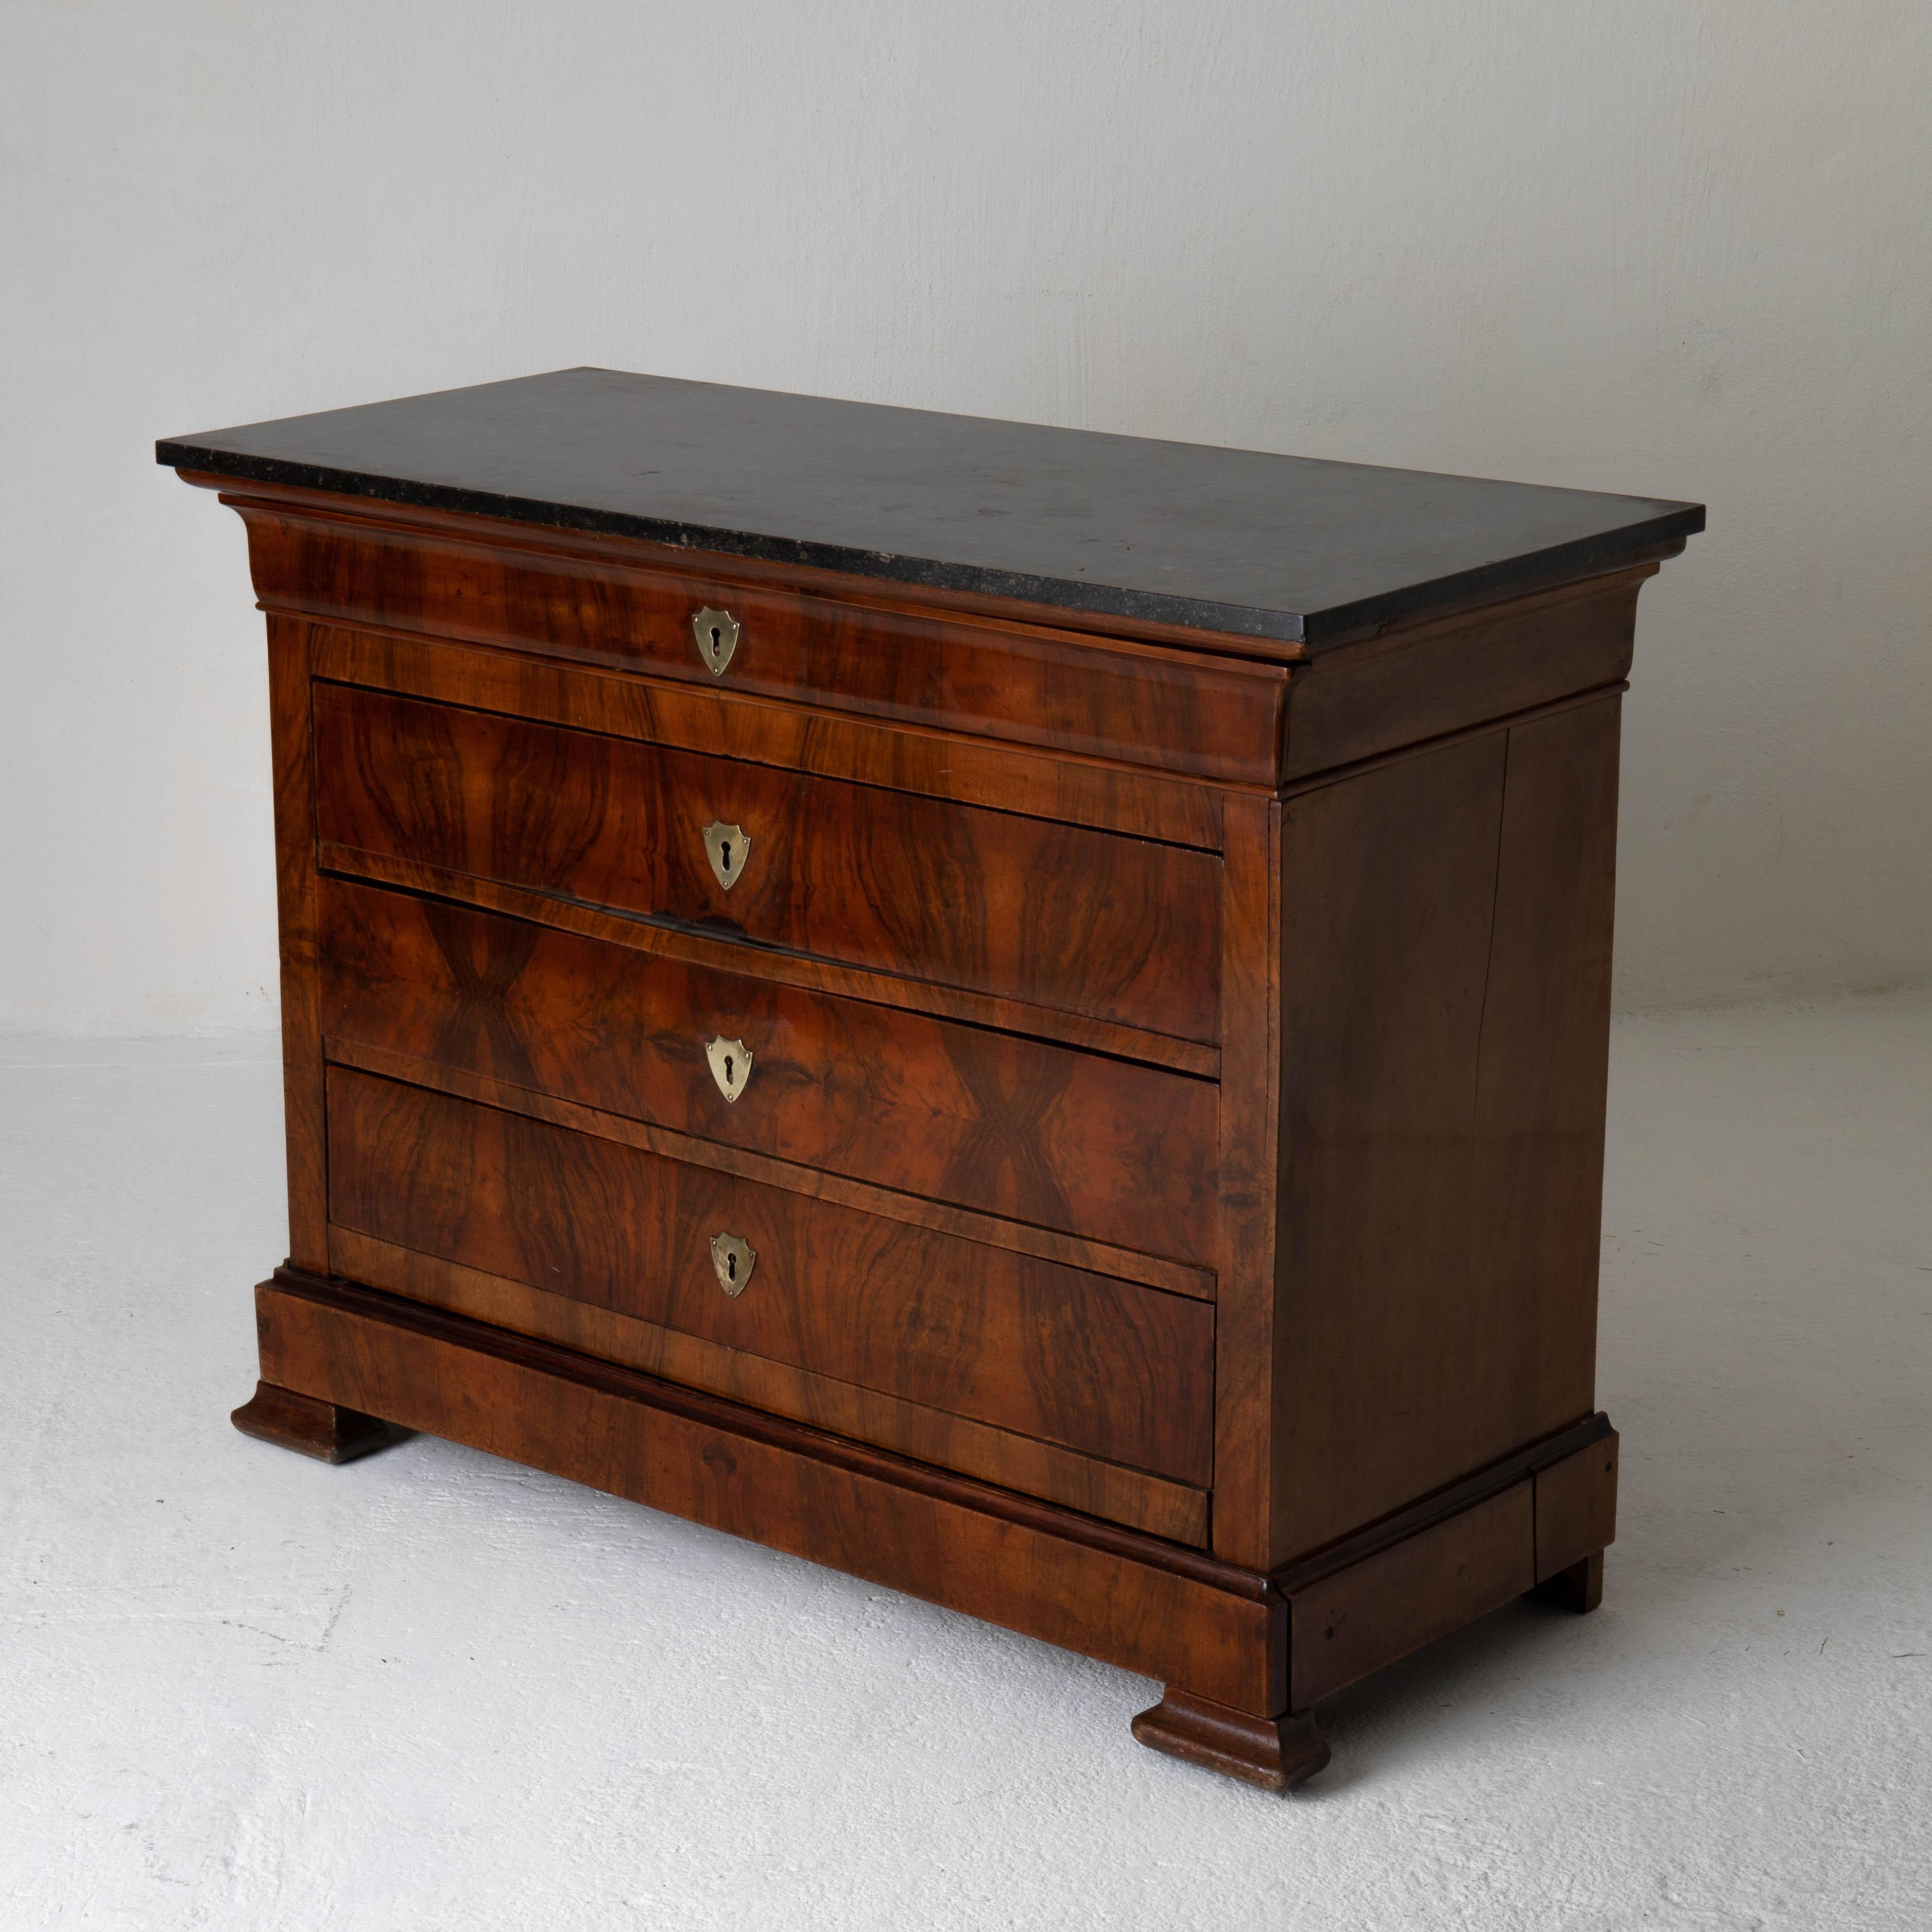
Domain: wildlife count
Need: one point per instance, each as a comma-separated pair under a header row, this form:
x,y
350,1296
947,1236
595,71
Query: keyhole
x,y
730,1069
731,1266
715,633
727,849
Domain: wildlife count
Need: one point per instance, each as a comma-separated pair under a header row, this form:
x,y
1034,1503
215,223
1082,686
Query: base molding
x,y
1162,1609
325,1430
1277,1753
1244,1656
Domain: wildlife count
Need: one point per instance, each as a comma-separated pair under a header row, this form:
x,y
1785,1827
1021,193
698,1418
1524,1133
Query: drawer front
x,y
1094,1146
1089,923
1103,1367
1183,711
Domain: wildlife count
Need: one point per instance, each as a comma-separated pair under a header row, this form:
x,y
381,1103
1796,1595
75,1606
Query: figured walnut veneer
x,y
1054,915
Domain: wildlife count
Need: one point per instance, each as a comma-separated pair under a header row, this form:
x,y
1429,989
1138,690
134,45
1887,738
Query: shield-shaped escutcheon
x,y
717,635
728,848
733,1259
730,1066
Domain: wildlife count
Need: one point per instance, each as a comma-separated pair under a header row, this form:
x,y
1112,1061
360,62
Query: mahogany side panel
x,y
1429,679
1128,1600
1021,1462
1385,1376
1056,915
1011,1125
1103,1367
1543,1084
1141,803
1096,697
304,1113
1447,945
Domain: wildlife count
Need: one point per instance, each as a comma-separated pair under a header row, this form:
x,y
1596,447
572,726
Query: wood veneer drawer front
x,y
1104,1148
1101,1365
1183,711
1091,922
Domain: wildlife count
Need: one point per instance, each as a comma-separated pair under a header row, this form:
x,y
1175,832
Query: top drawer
x,y
1086,922
596,600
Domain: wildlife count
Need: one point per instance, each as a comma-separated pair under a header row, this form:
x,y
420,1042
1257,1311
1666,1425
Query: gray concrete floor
x,y
237,1689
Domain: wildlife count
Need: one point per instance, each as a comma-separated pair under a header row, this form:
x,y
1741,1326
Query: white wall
x,y
1675,249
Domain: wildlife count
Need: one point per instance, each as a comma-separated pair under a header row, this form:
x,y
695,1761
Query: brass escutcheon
x,y
717,635
733,1259
728,848
730,1066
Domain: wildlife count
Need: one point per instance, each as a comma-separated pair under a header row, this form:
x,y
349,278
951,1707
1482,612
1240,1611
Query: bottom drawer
x,y
1106,1368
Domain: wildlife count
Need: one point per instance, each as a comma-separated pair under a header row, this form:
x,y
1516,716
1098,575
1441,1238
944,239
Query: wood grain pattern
x,y
303,1112
1108,1368
946,1217
1057,916
1104,698
1010,1126
713,949
1138,802
1133,1600
1021,1462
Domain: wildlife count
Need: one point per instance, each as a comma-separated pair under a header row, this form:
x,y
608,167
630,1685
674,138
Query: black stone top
x,y
1278,547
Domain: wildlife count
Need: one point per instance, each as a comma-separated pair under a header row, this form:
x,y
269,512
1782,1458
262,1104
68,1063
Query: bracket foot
x,y
323,1429
1277,1753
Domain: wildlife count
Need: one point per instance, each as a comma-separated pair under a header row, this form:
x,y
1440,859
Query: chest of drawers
x,y
1019,1012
